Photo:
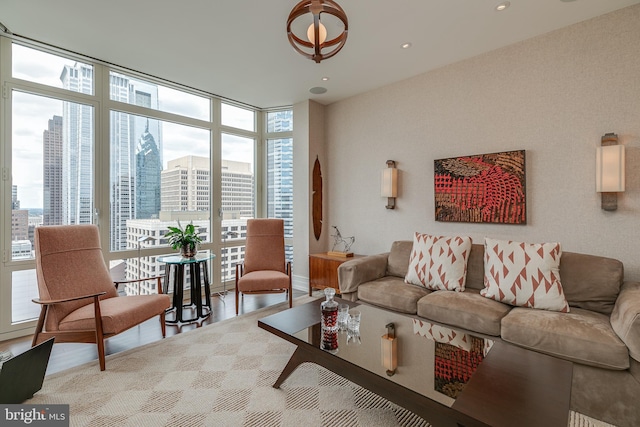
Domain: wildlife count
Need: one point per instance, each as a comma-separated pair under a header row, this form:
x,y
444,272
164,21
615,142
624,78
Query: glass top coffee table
x,y
448,377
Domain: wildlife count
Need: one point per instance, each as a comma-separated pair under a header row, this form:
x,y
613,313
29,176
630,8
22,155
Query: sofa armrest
x,y
360,270
625,318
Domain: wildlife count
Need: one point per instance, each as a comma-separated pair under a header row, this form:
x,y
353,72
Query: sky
x,y
31,113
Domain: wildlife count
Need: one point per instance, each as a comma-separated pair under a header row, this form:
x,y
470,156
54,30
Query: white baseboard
x,y
300,283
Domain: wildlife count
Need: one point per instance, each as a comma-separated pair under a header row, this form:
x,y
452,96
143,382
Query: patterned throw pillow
x,y
439,262
524,274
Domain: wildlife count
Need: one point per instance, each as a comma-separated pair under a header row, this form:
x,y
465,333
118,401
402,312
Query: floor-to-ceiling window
x,y
83,142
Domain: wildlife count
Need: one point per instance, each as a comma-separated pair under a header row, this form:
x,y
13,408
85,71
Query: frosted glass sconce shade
x,y
389,184
610,171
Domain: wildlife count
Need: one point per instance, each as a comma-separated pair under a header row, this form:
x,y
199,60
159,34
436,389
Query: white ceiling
x,y
238,49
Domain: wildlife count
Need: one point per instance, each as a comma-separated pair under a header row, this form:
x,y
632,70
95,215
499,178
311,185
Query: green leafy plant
x,y
182,237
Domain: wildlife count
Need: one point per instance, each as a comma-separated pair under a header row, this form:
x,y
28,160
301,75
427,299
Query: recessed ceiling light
x,y
324,79
318,90
405,45
502,6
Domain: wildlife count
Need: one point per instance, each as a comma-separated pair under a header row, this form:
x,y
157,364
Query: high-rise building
x,y
20,244
185,185
125,155
15,203
77,147
52,173
148,168
20,224
280,170
237,190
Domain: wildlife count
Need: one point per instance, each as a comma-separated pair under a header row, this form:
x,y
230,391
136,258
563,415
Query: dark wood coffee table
x,y
511,386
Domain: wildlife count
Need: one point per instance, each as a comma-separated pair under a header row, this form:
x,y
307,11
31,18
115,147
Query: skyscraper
x,y
148,167
52,174
125,131
77,151
280,170
15,203
19,217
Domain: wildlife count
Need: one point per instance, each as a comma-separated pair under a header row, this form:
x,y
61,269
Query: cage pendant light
x,y
316,46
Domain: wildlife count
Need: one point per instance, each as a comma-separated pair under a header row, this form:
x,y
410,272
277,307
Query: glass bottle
x,y
329,322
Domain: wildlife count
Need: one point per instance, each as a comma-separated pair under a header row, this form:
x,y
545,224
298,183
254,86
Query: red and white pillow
x,y
439,262
524,274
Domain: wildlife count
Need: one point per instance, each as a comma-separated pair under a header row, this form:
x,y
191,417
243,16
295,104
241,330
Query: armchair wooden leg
x,y
237,300
101,356
99,333
40,325
239,273
290,291
163,325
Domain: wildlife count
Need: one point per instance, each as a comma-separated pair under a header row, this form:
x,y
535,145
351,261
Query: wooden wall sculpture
x,y
317,199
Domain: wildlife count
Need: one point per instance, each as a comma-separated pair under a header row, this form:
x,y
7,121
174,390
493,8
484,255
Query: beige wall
x,y
553,96
309,143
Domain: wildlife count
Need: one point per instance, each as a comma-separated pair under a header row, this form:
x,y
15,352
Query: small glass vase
x,y
188,251
329,322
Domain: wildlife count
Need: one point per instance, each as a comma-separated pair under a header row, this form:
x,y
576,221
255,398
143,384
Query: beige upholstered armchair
x,y
79,300
265,269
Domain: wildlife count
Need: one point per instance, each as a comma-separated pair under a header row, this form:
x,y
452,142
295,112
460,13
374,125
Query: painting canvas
x,y
484,188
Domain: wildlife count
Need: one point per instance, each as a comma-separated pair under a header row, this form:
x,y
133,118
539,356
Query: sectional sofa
x,y
600,333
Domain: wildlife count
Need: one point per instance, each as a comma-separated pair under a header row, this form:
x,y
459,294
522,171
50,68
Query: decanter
x,y
329,322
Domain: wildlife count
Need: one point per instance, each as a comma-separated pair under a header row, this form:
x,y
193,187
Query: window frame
x,y
103,105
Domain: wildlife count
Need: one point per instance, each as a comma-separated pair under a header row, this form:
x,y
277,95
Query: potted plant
x,y
186,239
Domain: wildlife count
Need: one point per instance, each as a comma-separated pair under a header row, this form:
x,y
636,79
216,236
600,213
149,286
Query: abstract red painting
x,y
484,188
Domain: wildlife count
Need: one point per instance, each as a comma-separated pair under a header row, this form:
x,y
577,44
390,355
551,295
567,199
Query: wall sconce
x,y
610,171
389,187
390,350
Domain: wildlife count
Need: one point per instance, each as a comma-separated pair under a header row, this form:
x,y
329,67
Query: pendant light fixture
x,y
319,42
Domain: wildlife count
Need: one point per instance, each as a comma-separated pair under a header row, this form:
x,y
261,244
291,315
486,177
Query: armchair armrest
x,y
360,270
143,279
58,301
625,318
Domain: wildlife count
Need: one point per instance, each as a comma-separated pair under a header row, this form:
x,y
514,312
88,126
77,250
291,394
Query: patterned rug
x,y
221,375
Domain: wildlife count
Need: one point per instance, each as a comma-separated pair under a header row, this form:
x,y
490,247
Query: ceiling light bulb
x,y
322,31
324,79
502,6
406,45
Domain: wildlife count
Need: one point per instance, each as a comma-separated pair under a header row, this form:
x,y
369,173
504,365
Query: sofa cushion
x,y
439,262
591,282
398,261
467,310
392,293
524,274
475,267
581,336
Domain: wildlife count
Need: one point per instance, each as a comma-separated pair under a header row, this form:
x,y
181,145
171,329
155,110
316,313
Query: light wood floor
x,y
68,355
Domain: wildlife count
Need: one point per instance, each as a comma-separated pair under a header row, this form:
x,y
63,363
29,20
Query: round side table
x,y
199,278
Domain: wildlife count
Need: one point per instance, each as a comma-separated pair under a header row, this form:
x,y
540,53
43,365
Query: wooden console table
x,y
323,271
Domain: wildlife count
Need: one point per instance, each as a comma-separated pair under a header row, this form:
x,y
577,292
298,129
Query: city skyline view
x,y
41,67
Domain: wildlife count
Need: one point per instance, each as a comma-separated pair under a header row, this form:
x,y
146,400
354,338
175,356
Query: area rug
x,y
221,375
